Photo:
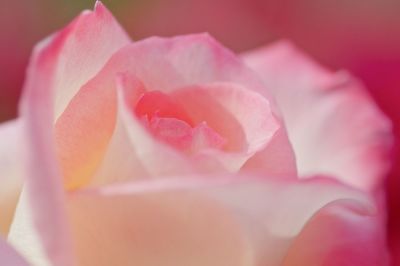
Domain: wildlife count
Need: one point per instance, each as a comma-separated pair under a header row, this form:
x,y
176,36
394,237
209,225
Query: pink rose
x,y
177,152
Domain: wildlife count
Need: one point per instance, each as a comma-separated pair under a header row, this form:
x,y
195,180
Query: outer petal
x,y
59,66
88,43
334,126
165,65
10,257
218,221
12,170
364,245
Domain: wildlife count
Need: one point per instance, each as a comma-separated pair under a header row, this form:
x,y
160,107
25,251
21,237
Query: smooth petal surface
x,y
9,256
121,161
89,41
154,229
334,126
58,67
219,221
12,170
275,159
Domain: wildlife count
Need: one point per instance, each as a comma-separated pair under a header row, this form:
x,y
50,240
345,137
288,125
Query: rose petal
x,y
82,133
183,137
156,103
53,71
241,116
154,229
364,245
10,257
88,43
218,221
244,118
205,138
334,126
12,170
172,131
275,159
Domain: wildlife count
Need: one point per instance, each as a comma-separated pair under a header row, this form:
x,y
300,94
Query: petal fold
x,y
9,256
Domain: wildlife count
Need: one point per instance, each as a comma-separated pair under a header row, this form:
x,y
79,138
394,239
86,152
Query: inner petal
x,y
156,103
168,121
84,129
182,136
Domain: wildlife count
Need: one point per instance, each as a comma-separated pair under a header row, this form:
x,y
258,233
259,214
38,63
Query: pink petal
x,y
238,114
241,116
10,257
275,159
218,221
59,66
168,121
334,126
183,137
172,131
88,42
160,104
205,138
154,229
319,244
82,133
122,159
12,170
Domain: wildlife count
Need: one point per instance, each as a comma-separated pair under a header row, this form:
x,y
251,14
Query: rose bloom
x,y
175,151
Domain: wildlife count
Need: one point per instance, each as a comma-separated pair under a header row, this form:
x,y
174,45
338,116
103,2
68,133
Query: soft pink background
x,y
360,35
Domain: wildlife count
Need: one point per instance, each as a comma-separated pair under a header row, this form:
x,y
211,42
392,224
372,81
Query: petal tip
x,y
98,4
100,8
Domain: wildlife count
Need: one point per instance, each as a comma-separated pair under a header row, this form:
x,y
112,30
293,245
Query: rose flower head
x,y
176,152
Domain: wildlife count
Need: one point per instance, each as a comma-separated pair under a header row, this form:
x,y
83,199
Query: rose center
x,y
168,121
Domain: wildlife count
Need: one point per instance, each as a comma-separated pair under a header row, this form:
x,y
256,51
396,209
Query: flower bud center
x,y
168,121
